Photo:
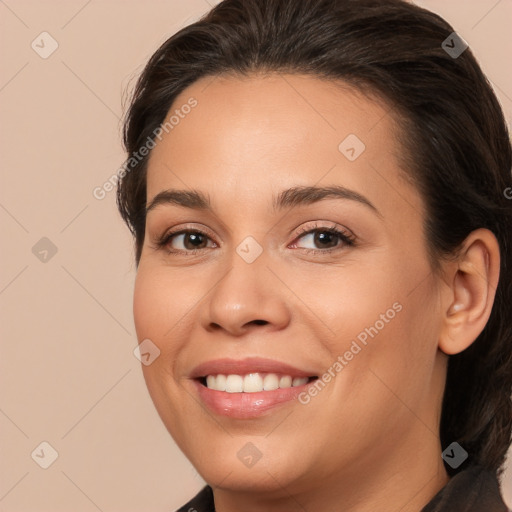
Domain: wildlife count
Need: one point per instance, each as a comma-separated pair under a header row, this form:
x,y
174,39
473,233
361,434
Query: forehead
x,y
249,137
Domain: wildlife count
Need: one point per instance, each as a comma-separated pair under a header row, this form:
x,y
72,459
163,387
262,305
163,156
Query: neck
x,y
406,482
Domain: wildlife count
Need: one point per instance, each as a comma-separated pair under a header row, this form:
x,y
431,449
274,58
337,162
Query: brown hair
x,y
453,132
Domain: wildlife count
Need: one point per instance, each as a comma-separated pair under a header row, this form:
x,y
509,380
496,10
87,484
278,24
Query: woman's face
x,y
267,296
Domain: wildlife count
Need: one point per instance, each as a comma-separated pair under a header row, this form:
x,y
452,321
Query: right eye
x,y
192,241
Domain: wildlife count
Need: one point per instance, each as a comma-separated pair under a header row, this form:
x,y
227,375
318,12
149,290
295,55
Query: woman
x,y
318,195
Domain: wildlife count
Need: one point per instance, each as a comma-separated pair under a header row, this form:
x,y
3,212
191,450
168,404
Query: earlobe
x,y
472,284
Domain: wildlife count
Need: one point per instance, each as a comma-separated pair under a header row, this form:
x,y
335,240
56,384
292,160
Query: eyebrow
x,y
289,198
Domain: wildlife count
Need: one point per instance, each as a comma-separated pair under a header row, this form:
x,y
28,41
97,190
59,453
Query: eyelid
x,y
187,228
345,235
318,227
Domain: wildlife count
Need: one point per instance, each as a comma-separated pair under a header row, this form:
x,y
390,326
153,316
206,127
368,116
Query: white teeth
x,y
270,382
220,382
234,384
216,382
285,382
252,382
211,382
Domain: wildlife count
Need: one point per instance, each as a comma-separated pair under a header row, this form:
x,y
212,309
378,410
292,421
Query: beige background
x,y
68,375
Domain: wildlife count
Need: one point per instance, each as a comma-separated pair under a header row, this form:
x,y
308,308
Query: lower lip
x,y
246,405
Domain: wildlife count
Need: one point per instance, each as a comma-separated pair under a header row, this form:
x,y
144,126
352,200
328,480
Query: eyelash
x,y
345,237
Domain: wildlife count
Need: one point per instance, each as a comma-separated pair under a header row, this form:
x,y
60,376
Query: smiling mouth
x,y
253,382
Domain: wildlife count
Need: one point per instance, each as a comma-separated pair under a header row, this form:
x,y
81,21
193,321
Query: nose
x,y
246,296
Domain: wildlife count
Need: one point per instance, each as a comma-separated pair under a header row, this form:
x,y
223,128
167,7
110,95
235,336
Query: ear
x,y
472,283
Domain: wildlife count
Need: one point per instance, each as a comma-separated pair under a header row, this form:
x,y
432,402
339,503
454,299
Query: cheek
x,y
355,303
158,303
163,310
156,312
147,306
382,320
398,351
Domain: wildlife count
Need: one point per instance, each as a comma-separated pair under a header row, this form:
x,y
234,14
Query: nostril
x,y
260,322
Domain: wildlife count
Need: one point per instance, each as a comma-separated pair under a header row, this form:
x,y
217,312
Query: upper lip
x,y
229,366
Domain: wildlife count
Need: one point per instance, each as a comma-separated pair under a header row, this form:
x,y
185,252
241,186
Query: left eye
x,y
327,238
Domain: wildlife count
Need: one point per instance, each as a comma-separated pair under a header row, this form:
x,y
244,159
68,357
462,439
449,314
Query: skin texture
x,y
369,440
